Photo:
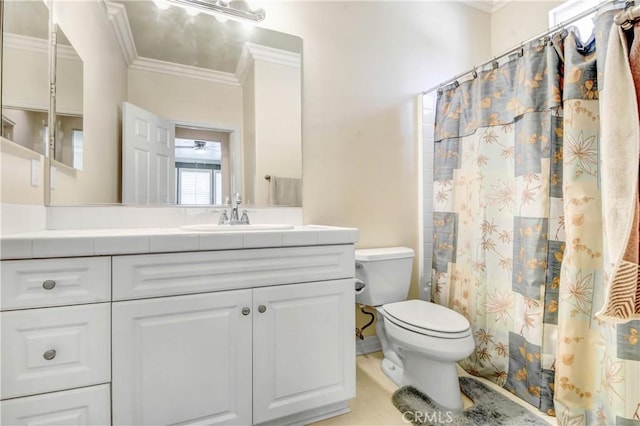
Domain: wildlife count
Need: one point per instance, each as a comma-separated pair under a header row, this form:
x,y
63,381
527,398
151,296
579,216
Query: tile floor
x,y
372,406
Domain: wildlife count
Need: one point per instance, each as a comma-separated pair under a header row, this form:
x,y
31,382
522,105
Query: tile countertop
x,y
99,242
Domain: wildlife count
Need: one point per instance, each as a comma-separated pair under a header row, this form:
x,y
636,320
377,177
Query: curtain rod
x,y
543,34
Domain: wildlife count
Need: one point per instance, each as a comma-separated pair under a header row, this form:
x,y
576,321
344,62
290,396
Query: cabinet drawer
x,y
51,349
86,406
55,282
141,276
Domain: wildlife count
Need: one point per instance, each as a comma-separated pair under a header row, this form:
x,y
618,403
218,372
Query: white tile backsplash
x,y
98,217
17,218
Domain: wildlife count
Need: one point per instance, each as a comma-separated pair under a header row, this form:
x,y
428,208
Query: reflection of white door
x,y
148,157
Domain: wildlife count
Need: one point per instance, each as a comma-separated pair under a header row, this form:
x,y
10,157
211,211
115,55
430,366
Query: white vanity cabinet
x,y
267,335
164,327
303,347
56,355
183,359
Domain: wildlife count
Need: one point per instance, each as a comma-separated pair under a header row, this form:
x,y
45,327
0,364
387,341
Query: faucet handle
x,y
245,218
224,218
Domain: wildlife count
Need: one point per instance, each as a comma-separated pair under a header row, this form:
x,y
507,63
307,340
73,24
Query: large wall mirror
x,y
25,82
177,108
25,76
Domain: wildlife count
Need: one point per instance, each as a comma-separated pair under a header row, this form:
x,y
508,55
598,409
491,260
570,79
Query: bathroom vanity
x,y
166,326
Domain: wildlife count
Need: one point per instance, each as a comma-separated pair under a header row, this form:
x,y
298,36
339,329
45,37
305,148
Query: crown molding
x,y
499,4
120,24
38,45
252,52
122,30
67,52
488,6
154,65
33,44
8,103
485,6
271,54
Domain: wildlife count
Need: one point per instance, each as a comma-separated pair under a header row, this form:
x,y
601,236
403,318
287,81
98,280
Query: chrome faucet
x,y
233,218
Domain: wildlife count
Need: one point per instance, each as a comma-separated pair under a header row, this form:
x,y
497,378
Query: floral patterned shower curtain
x,y
518,244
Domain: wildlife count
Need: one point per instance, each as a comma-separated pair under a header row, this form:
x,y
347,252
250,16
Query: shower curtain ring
x,y
495,64
521,52
474,73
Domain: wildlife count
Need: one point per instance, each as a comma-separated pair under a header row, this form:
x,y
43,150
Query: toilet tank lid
x,y
386,253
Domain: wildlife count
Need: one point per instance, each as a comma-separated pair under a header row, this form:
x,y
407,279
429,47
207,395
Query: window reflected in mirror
x,y
202,166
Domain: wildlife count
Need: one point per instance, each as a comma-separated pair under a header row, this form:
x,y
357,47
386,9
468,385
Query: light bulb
x,y
192,12
221,18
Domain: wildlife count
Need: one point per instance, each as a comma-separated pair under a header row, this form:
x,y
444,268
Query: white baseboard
x,y
368,345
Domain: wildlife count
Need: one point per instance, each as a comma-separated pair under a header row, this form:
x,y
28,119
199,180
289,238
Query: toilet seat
x,y
427,318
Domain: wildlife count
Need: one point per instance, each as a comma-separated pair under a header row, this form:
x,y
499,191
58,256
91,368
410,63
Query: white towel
x,y
284,191
620,148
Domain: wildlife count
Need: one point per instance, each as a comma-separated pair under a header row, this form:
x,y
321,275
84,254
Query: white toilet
x,y
421,341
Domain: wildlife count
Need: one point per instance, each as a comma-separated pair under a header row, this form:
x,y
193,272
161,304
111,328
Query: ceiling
x,y
173,35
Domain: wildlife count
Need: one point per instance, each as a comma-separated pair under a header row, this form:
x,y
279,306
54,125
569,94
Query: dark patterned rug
x,y
489,408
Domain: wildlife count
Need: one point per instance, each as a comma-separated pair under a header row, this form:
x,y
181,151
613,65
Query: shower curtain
x,y
518,231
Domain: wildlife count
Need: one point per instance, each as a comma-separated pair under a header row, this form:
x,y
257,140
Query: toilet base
x,y
393,372
437,379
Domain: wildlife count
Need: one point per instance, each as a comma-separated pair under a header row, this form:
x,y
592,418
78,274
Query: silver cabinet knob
x,y
246,311
49,284
49,355
262,309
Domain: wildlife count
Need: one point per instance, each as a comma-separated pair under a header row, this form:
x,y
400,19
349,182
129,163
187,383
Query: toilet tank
x,y
386,273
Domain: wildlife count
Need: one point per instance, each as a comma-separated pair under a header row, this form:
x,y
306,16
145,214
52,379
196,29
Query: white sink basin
x,y
232,228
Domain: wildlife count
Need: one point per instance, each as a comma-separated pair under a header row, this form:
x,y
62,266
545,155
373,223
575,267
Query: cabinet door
x,y
84,406
182,359
304,349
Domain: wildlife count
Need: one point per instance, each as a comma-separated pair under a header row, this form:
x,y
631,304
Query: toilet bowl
x,y
423,354
421,341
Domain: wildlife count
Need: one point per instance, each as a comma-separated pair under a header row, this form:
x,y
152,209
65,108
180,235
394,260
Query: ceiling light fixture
x,y
221,8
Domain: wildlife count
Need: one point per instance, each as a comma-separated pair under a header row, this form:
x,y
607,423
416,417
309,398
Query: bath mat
x,y
489,408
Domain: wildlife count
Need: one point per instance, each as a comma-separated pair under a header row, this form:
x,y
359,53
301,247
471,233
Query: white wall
x,y
104,75
364,65
25,77
518,21
249,180
181,98
15,179
278,139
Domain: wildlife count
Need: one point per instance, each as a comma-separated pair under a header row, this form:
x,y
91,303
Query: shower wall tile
x,y
428,122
